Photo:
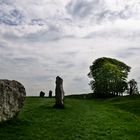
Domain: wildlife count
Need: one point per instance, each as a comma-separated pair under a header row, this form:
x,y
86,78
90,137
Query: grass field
x,y
96,119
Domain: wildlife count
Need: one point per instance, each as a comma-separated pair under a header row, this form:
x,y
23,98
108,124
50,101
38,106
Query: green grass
x,y
97,119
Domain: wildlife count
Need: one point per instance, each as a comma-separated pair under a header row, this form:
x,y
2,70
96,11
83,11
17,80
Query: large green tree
x,y
109,76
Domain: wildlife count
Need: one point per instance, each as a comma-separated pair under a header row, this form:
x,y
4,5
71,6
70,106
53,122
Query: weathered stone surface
x,y
12,96
50,93
59,93
42,94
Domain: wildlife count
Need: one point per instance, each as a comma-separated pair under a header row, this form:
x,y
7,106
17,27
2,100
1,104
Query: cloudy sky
x,y
42,39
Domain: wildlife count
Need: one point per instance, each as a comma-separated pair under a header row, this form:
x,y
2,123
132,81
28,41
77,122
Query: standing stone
x,y
50,93
42,94
12,96
59,93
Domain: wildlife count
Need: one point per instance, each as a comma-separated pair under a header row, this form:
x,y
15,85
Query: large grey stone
x,y
12,96
59,93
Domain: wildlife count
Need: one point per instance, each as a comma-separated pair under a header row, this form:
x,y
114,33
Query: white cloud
x,y
42,39
98,11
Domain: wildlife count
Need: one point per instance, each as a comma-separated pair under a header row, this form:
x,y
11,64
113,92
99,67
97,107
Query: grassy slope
x,y
115,119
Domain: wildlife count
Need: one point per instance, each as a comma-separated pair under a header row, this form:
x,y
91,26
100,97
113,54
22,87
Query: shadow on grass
x,y
14,122
127,103
132,107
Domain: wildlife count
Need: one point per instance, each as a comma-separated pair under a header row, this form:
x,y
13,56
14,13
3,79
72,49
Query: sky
x,y
40,40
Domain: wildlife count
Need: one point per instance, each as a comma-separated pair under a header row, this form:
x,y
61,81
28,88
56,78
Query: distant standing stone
x,y
12,96
59,93
42,94
50,93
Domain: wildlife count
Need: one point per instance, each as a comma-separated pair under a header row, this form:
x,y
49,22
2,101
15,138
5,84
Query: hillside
x,y
115,119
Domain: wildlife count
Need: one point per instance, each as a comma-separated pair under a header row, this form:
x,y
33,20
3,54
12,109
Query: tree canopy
x,y
109,76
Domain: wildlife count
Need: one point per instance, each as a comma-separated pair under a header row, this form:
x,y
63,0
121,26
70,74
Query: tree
x,y
109,76
132,87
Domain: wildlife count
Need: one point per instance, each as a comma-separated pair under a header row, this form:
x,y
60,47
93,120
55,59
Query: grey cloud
x,y
83,8
16,17
12,60
71,53
3,45
126,54
134,49
125,14
70,65
97,10
25,60
65,63
38,21
51,34
92,10
14,56
5,2
117,33
11,36
78,79
14,12
107,15
80,84
129,52
41,78
13,17
79,8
